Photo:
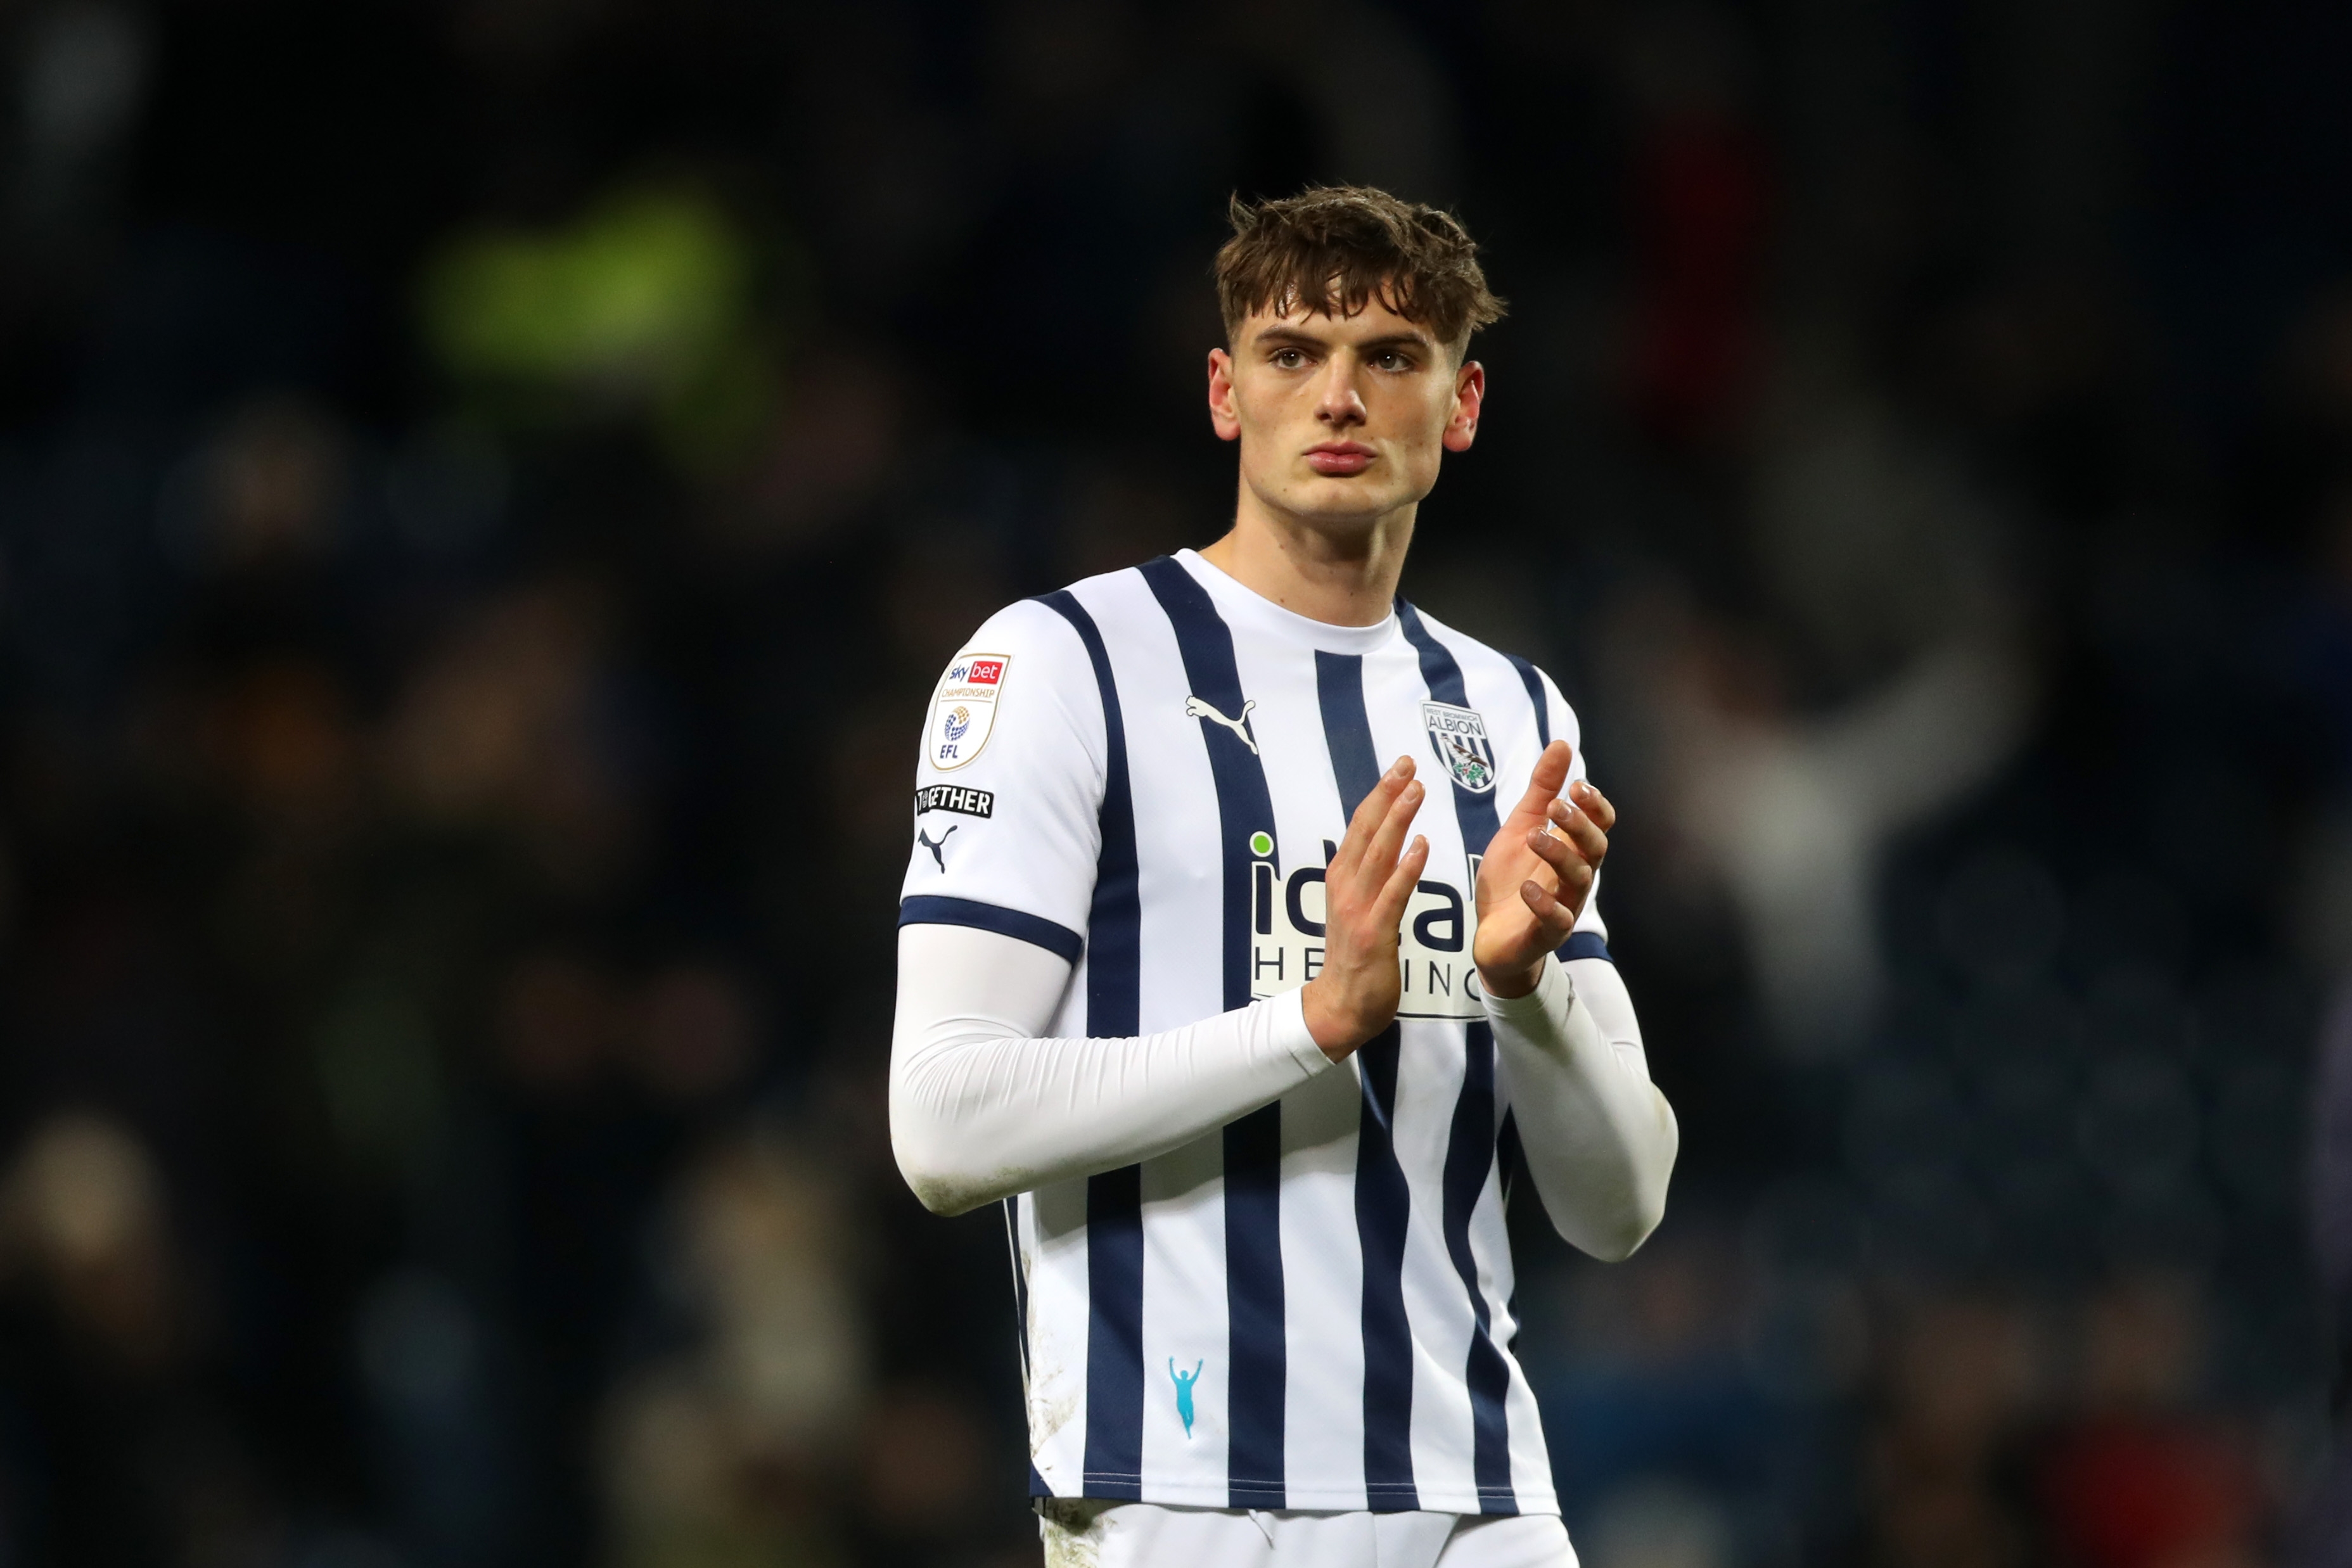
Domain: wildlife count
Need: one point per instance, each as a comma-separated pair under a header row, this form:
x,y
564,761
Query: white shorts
x,y
1085,1534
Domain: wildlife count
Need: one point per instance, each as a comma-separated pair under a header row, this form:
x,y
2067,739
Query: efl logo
x,y
964,709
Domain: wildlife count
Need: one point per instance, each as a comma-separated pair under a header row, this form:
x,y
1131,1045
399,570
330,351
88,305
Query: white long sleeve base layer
x,y
1599,1138
982,1105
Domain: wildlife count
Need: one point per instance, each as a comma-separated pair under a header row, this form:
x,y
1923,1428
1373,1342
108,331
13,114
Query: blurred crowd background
x,y
485,487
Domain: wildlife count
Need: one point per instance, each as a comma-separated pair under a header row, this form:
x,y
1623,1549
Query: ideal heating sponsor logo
x,y
1432,947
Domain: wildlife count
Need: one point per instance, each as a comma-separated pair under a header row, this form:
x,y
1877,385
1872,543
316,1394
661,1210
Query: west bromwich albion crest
x,y
1459,735
964,710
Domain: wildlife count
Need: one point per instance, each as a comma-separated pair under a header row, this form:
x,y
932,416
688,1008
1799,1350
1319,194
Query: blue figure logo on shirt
x,y
1184,1381
925,840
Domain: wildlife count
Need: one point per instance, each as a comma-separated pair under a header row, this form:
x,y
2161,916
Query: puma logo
x,y
1195,708
924,839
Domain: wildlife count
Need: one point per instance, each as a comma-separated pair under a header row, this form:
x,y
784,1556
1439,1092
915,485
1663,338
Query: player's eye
x,y
1393,360
1288,359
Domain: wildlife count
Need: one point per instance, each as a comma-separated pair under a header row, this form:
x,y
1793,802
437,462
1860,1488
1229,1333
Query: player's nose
x,y
1340,403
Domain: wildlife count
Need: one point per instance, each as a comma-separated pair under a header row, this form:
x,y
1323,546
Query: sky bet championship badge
x,y
1460,736
965,710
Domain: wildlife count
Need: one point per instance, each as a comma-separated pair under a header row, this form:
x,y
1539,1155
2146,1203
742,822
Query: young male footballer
x,y
1246,1032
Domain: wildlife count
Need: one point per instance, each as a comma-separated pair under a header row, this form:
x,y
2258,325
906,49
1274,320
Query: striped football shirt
x,y
1146,773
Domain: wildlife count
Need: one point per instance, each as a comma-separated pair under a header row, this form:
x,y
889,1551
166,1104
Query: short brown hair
x,y
1333,249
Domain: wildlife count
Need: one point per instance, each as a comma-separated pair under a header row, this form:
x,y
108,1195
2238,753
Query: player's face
x,y
1342,421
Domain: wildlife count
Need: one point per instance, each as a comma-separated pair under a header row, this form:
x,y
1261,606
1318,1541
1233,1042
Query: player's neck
x,y
1340,577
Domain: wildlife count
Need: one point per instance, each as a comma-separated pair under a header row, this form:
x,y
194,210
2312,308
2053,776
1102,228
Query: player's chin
x,y
1343,500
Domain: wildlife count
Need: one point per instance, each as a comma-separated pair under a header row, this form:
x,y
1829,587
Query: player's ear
x,y
1469,400
1223,417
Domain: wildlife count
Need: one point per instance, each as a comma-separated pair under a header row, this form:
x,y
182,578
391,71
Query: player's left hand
x,y
1537,874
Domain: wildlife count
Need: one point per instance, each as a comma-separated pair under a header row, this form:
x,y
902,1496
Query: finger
x,y
1543,784
1555,851
1551,768
1594,804
1370,812
1555,918
1574,872
1581,830
1575,864
1381,854
1575,886
1389,908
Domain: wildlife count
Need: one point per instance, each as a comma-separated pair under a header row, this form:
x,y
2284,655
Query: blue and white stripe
x,y
1336,1263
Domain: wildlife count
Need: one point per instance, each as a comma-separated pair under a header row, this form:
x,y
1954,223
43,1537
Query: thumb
x,y
1551,768
1544,784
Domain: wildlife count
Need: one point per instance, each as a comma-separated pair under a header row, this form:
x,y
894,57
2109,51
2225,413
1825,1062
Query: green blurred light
x,y
644,303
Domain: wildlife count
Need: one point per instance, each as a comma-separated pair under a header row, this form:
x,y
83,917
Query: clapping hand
x,y
1538,873
1365,889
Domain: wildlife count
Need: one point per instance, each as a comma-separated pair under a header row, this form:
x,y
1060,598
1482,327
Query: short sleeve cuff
x,y
932,909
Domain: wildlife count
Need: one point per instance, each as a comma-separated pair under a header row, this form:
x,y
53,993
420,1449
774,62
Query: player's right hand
x,y
1365,889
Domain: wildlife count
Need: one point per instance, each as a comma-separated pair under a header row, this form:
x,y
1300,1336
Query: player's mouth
x,y
1338,459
